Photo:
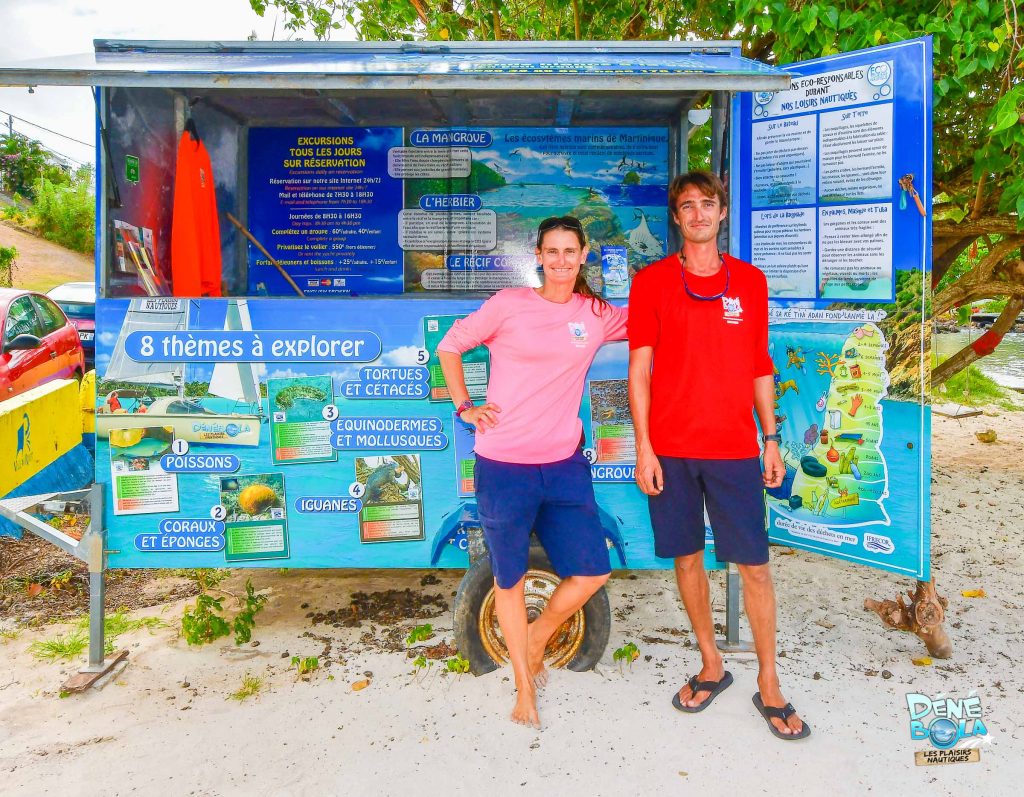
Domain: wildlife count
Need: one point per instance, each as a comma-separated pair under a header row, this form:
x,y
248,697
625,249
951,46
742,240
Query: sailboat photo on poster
x,y
142,394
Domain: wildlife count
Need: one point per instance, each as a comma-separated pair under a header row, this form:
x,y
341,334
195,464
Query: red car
x,y
38,343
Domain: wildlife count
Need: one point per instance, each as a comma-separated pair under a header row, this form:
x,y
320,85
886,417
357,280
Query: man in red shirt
x,y
698,370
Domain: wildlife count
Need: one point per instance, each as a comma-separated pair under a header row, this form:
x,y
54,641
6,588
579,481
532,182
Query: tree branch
x,y
421,10
969,354
980,278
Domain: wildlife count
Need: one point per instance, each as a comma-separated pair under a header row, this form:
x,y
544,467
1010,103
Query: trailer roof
x,y
404,66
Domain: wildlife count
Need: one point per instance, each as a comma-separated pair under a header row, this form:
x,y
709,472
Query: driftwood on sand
x,y
923,616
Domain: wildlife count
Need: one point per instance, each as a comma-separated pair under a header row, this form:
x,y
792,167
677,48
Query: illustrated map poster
x,y
827,212
386,210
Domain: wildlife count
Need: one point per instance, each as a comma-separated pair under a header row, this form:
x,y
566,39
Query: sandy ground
x,y
164,725
42,265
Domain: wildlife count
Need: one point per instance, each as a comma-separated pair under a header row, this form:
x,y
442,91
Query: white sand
x,y
605,732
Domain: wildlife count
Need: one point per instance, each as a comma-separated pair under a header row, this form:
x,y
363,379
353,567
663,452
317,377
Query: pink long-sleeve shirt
x,y
540,354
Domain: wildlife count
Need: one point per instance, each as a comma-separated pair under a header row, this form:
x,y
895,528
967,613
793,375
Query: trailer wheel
x,y
577,645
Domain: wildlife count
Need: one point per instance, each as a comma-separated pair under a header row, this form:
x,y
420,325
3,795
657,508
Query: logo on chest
x,y
578,333
732,310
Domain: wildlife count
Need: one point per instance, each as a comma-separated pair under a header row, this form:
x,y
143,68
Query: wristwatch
x,y
465,405
772,438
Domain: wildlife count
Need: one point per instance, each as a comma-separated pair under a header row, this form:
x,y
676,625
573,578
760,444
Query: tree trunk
x,y
973,352
923,617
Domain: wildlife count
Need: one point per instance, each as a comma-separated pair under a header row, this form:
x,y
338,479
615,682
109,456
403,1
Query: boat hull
x,y
213,429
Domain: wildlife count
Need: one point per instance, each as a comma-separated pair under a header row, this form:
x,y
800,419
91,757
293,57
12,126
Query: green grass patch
x,y
120,623
972,388
251,685
64,647
9,634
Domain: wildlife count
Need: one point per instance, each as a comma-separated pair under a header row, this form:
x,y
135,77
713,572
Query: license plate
x,y
85,336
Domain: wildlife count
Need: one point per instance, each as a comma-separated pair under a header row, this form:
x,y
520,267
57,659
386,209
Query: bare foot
x,y
525,711
771,695
709,672
535,657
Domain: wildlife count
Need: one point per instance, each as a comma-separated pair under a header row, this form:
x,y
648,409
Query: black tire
x,y
474,589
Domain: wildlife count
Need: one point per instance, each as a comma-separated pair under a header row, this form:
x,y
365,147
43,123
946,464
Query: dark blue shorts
x,y
732,490
557,501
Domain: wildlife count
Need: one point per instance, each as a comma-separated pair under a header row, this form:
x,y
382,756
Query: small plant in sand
x,y
251,685
457,664
420,633
9,634
627,653
245,620
205,622
305,667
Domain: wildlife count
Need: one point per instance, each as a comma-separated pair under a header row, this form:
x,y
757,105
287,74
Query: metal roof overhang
x,y
407,66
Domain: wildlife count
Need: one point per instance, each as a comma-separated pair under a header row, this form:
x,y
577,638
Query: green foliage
x,y
63,647
458,664
971,387
8,256
24,162
627,653
203,623
251,685
118,623
420,633
245,620
305,667
206,578
65,213
995,306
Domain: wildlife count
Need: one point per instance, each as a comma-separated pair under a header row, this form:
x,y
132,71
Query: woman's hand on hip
x,y
483,417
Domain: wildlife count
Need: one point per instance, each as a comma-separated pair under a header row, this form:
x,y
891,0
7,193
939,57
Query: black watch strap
x,y
769,438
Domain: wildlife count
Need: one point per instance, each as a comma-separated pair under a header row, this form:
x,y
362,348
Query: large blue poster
x,y
834,187
322,203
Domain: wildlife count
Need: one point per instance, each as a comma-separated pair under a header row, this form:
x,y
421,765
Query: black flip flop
x,y
714,687
783,714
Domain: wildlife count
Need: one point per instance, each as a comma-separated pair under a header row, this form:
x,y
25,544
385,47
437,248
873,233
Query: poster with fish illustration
x,y
255,517
392,494
476,363
301,411
141,487
611,423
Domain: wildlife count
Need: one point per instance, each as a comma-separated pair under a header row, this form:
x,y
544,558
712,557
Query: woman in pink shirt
x,y
531,474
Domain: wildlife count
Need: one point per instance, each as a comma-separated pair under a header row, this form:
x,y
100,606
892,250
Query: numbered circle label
x,y
218,512
180,446
356,489
330,413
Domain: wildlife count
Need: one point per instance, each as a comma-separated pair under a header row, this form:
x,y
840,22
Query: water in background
x,y
1005,365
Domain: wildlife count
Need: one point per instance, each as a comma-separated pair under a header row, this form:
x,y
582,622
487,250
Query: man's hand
x,y
483,417
648,473
774,470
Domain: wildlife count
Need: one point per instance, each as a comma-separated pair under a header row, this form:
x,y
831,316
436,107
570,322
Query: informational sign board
x,y
385,210
827,211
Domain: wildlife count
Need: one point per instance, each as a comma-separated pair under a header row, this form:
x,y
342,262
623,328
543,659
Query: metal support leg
x,y
97,587
732,642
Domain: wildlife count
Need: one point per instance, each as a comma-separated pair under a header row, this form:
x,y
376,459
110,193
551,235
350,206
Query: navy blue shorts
x,y
732,490
557,501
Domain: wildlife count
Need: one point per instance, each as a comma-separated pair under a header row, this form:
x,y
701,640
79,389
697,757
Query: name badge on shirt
x,y
732,310
578,333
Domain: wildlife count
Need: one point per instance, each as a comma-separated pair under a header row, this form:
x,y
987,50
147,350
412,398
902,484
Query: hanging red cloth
x,y
195,231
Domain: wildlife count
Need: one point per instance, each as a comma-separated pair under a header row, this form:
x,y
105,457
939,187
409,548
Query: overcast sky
x,y
31,29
